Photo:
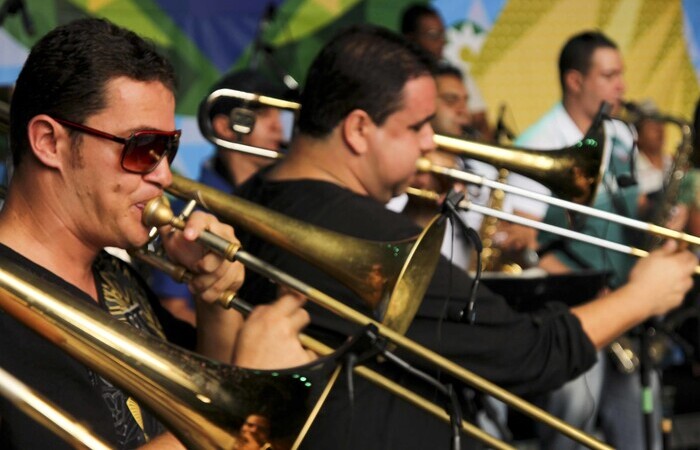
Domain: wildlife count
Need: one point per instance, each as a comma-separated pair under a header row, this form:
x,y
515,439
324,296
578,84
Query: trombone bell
x,y
391,277
572,173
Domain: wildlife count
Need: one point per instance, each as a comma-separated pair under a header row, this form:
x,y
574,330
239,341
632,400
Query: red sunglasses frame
x,y
130,143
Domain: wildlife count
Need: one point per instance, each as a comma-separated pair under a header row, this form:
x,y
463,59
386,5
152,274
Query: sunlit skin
x,y
604,81
583,94
112,197
650,140
404,137
72,205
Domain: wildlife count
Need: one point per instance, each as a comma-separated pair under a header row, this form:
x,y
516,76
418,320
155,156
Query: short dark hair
x,y
411,17
246,80
67,70
364,67
443,68
578,52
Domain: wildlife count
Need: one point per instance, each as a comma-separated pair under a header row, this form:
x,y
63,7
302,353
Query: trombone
x,y
49,415
158,214
556,169
274,226
201,401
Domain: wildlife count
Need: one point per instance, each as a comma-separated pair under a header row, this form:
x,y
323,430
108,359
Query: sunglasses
x,y
142,151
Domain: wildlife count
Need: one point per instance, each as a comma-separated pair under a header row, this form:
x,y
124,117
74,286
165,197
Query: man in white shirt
x,y
591,71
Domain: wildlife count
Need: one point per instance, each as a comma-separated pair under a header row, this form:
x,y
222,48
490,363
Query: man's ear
x,y
573,80
48,140
222,127
357,128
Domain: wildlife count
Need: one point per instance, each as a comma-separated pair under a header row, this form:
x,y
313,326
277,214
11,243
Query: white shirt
x,y
649,177
556,130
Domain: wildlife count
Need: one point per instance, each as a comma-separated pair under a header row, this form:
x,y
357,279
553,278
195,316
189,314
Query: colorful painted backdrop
x,y
511,46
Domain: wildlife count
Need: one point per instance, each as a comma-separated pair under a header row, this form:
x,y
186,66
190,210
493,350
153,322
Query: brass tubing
x,y
514,218
426,166
411,397
443,363
47,414
180,273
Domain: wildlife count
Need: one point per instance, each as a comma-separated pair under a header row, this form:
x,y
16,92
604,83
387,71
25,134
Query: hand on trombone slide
x,y
664,276
212,274
269,337
657,284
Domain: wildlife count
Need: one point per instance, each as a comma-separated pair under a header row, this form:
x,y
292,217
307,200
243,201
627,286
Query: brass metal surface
x,y
201,401
390,276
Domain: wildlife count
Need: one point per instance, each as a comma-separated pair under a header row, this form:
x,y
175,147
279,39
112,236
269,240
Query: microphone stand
x,y
17,6
646,370
262,50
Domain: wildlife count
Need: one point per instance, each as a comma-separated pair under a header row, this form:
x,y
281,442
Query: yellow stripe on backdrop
x,y
518,62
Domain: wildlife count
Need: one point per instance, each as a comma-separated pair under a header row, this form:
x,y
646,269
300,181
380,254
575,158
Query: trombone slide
x,y
348,313
180,273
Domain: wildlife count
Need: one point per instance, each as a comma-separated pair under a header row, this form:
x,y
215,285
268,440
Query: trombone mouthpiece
x,y
157,213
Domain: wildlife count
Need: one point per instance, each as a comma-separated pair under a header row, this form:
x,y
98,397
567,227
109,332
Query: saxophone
x,y
622,350
672,182
679,167
493,258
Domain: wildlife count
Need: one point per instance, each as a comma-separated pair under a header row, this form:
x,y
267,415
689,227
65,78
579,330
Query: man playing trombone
x,y
365,120
92,137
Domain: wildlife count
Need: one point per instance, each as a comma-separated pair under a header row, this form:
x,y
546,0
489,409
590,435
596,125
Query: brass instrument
x,y
47,414
390,276
172,368
201,401
181,274
622,351
493,258
571,173
564,232
679,167
274,227
468,177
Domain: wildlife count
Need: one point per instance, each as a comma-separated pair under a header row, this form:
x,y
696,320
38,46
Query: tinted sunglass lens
x,y
143,152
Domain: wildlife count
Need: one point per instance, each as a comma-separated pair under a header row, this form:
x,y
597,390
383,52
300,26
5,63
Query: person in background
x,y
421,24
653,167
368,103
591,71
227,169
